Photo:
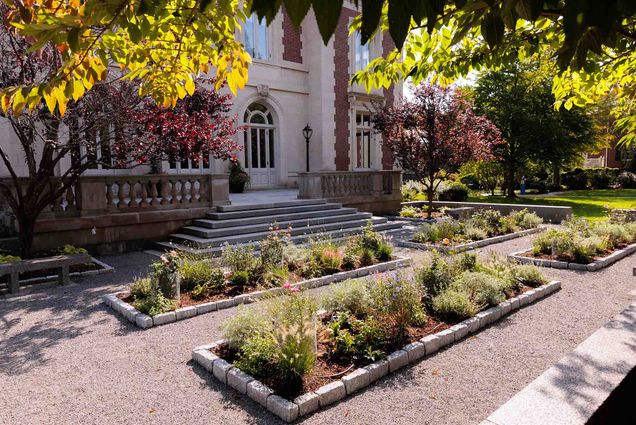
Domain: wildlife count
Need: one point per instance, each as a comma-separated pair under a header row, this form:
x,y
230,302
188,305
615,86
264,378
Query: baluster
x,y
154,193
196,190
184,191
121,196
56,205
144,193
132,194
70,199
109,195
173,191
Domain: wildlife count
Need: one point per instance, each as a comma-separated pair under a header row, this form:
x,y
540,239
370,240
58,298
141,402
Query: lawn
x,y
589,204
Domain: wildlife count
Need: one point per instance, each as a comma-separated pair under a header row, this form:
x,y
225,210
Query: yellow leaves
x,y
189,85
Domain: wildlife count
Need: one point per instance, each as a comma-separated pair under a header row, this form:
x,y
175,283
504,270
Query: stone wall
x,y
292,41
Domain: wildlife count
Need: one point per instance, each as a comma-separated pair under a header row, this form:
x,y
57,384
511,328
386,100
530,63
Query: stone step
x,y
300,239
269,219
257,236
252,207
282,222
270,211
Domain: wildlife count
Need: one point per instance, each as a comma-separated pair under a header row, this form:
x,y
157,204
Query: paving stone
x,y
377,370
284,409
307,403
163,318
592,267
446,337
415,351
259,392
206,307
472,324
356,380
532,294
238,380
575,266
506,307
431,344
552,286
220,368
223,304
397,360
558,264
143,321
495,313
128,311
460,331
331,393
514,304
109,299
242,299
524,299
204,357
185,312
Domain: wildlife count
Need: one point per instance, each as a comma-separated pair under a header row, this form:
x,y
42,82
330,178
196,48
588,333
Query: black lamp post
x,y
307,132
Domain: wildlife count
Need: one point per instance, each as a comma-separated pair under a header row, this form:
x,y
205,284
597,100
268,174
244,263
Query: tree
x,y
112,118
594,42
434,134
519,101
488,173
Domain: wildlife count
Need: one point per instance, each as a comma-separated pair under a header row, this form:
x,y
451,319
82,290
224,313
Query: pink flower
x,y
295,289
287,285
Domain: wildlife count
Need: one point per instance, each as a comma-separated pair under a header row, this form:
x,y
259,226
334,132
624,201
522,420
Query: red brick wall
x,y
387,47
292,41
341,85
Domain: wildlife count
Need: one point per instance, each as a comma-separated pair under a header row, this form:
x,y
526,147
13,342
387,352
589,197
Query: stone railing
x,y
368,190
152,192
65,205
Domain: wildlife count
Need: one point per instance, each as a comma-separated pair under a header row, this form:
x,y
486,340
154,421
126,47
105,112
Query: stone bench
x,y
60,262
460,213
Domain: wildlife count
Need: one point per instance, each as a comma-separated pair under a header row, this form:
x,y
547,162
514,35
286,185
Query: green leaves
x,y
371,13
399,21
327,15
297,10
492,28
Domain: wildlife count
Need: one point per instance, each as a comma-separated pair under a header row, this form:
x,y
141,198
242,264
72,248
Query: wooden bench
x,y
60,262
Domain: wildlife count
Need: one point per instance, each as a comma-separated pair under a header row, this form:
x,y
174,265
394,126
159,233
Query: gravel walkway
x,y
65,358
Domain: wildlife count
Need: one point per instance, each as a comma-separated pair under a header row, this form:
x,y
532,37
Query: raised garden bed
x,y
525,257
117,300
481,229
331,382
579,245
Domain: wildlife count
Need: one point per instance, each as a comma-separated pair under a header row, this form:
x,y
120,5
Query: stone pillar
x,y
219,189
92,196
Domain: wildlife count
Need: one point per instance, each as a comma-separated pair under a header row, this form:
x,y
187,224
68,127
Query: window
x,y
258,139
256,38
96,149
362,53
364,138
200,163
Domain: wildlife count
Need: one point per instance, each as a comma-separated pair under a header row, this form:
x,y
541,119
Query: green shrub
x,y
400,298
71,250
576,179
257,355
328,258
140,288
295,256
482,288
616,234
275,276
5,259
626,180
350,260
273,246
238,257
240,278
155,303
197,273
384,252
529,275
351,296
454,305
435,232
434,277
508,224
367,257
474,233
411,190
454,191
164,272
528,220
245,324
489,220
409,212
356,340
373,241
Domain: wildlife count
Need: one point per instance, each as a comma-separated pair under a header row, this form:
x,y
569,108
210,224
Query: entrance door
x,y
260,146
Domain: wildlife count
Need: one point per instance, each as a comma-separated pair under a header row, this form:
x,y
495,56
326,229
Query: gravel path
x,y
65,358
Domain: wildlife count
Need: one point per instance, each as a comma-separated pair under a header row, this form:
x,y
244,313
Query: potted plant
x,y
238,177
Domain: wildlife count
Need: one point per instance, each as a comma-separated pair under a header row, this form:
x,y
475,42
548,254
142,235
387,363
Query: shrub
x,y
275,276
273,246
72,250
384,252
489,220
454,305
455,191
375,242
527,220
240,278
351,296
529,275
575,179
409,212
482,288
238,257
199,273
435,232
295,256
626,180
155,303
6,259
328,257
398,297
257,355
356,340
508,224
350,259
434,277
245,324
366,258
140,288
474,233
164,272
616,234
411,190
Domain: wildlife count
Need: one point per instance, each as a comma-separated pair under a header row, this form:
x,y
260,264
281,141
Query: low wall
x,y
549,213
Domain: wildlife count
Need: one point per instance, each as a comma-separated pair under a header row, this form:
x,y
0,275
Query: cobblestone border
x,y
362,377
470,245
144,321
591,267
106,268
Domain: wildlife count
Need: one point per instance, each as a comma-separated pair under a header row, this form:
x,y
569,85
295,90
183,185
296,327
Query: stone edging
x,y
106,268
144,321
591,267
470,245
362,377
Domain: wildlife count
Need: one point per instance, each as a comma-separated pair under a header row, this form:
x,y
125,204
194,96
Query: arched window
x,y
259,144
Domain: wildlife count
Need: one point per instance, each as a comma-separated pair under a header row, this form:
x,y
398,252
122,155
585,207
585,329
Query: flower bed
x,y
181,287
580,245
482,228
293,358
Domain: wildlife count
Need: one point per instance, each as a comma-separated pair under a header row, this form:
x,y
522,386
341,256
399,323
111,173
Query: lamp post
x,y
307,132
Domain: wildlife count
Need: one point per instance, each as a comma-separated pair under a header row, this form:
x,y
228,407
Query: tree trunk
x,y
510,182
27,232
556,175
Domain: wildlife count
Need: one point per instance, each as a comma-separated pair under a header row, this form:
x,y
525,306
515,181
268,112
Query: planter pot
x,y
237,187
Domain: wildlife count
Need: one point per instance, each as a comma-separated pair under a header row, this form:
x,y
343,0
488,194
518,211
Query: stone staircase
x,y
244,224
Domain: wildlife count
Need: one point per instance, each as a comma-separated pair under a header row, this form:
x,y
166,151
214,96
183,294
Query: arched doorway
x,y
260,146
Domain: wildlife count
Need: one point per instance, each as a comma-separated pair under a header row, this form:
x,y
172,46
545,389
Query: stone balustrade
x,y
375,191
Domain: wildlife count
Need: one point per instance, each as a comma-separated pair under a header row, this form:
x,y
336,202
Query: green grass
x,y
590,204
